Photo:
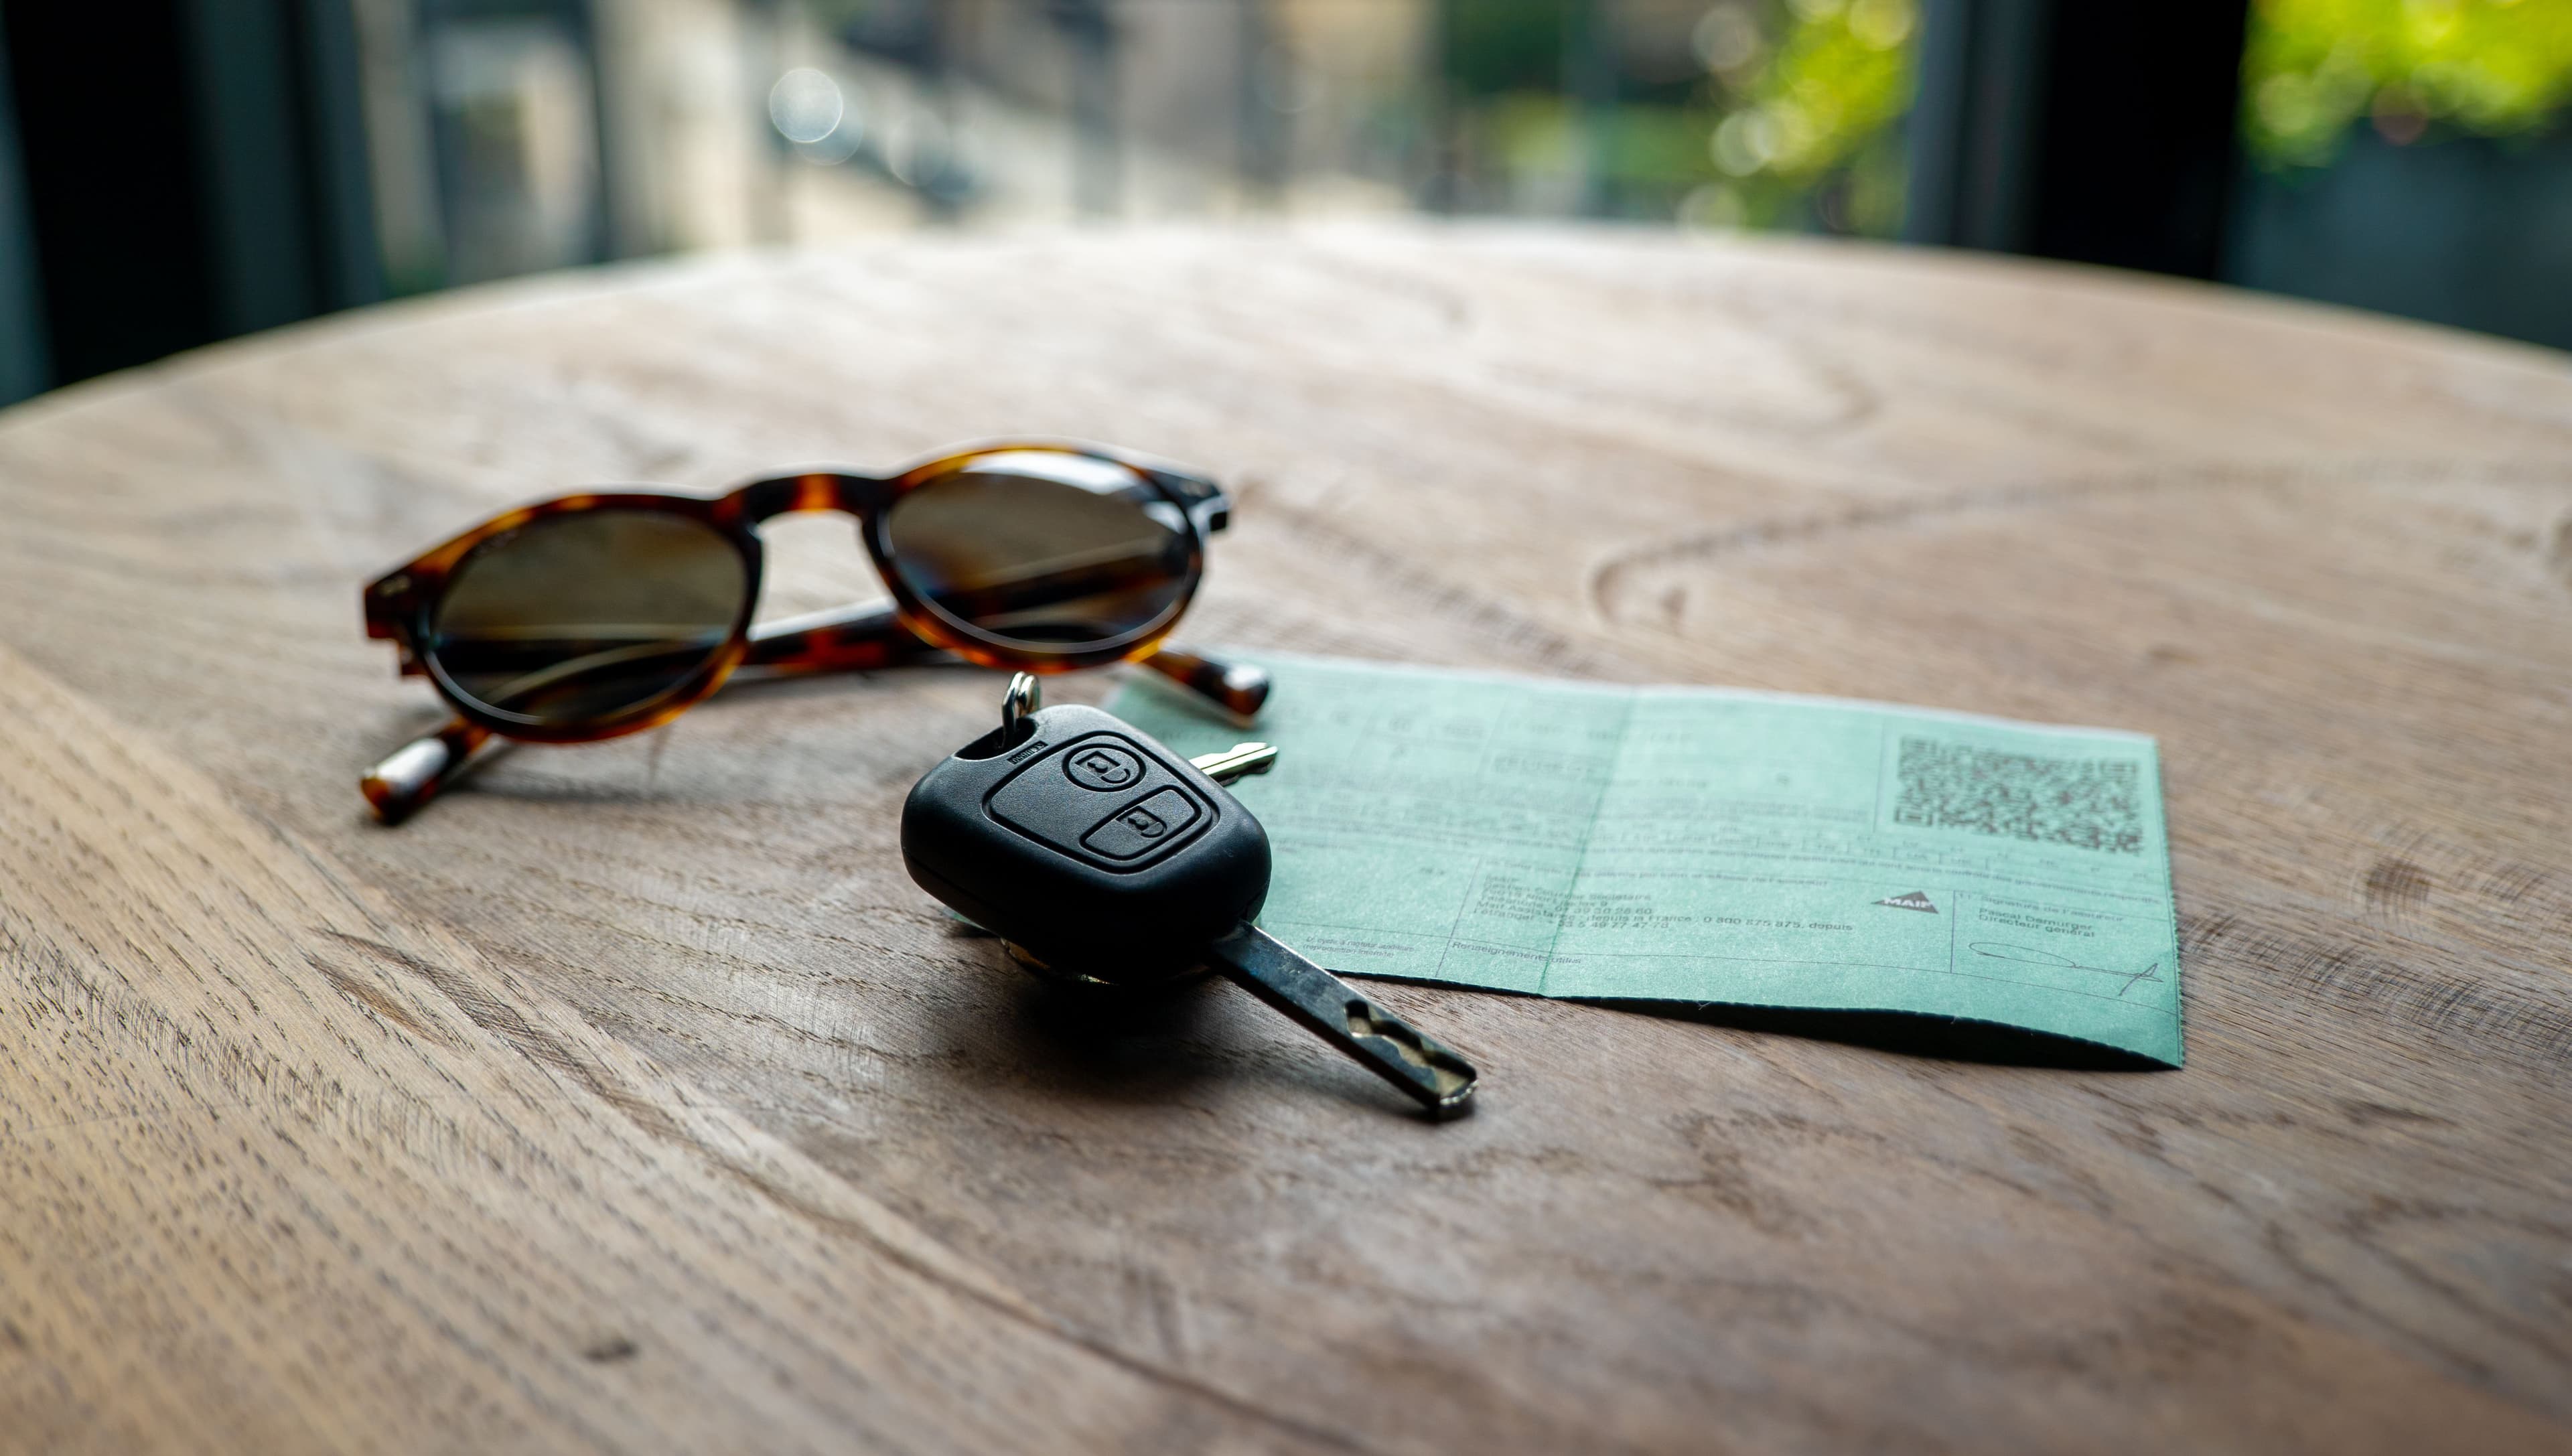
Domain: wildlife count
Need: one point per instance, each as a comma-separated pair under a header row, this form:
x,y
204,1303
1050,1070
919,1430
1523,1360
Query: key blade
x,y
1386,1045
1239,761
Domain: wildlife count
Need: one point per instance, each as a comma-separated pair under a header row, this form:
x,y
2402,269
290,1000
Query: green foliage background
x,y
2313,68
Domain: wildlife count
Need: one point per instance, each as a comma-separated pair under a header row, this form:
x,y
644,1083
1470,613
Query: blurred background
x,y
173,172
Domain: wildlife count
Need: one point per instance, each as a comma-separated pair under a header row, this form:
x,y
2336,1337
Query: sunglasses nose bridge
x,y
822,489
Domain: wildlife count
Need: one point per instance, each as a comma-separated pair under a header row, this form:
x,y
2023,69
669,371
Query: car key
x,y
1104,858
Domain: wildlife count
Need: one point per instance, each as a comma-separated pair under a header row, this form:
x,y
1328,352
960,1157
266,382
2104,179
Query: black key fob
x,y
1107,858
1086,843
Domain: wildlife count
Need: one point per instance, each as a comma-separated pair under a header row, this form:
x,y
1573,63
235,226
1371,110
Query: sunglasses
x,y
604,613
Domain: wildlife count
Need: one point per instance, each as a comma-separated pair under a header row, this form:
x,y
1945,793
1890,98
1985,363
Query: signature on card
x,y
2029,954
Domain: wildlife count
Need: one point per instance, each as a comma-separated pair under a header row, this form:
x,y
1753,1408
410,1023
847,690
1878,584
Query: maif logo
x,y
1916,900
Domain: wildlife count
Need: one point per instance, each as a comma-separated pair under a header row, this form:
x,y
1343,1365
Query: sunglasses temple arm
x,y
1238,688
860,639
414,773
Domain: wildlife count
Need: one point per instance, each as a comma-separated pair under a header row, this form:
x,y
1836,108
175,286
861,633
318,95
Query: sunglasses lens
x,y
579,618
1044,550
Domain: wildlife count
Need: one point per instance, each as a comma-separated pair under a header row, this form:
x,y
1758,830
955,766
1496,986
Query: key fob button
x,y
1105,767
1062,797
1140,828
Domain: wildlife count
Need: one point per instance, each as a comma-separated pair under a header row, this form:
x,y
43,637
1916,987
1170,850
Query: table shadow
x,y
1130,1045
1909,1034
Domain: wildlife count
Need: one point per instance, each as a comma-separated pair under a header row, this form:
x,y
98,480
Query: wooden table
x,y
631,1097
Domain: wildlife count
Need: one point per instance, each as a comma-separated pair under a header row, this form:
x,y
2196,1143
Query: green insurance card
x,y
1707,845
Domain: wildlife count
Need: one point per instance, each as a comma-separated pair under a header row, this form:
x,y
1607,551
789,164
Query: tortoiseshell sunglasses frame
x,y
402,603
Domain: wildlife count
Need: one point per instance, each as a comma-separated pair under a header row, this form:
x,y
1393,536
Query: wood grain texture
x,y
632,1099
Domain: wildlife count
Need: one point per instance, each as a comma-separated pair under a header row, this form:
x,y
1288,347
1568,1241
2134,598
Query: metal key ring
x,y
1018,705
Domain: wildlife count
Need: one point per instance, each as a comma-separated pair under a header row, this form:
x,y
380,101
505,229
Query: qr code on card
x,y
2087,803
